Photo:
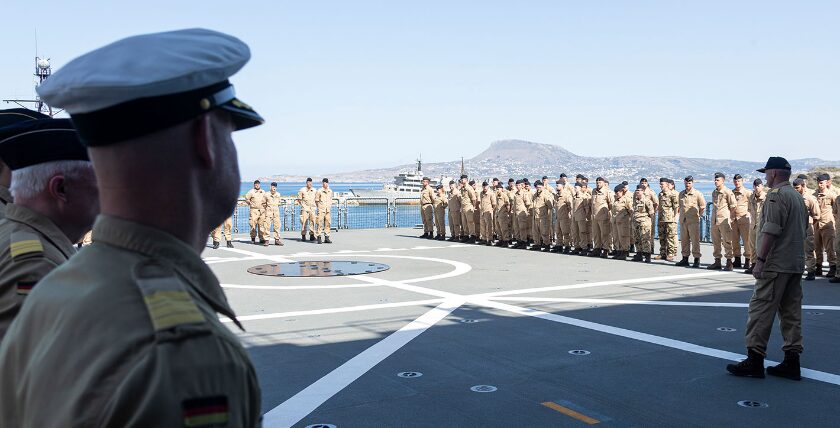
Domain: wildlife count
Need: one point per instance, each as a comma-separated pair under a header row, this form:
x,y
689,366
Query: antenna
x,y
462,165
43,70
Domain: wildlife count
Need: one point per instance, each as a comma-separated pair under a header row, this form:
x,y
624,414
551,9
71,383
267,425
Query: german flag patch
x,y
24,287
205,411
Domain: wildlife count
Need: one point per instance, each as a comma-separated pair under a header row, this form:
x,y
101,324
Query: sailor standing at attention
x,y
323,202
257,203
427,209
741,221
440,212
455,229
306,200
127,332
692,205
724,205
272,214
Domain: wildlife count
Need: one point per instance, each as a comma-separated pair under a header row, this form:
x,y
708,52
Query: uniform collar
x,y
5,195
168,250
43,225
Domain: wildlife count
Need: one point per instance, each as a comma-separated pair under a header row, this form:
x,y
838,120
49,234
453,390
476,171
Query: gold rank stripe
x,y
28,246
219,418
172,308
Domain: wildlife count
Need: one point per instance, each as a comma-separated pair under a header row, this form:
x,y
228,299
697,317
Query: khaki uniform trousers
x,y
668,239
543,225
228,227
427,214
641,233
754,237
721,235
468,221
624,235
455,223
652,233
824,242
564,231
522,225
584,238
574,239
780,292
690,238
256,220
486,226
514,226
533,231
273,219
307,217
502,222
601,234
440,219
323,223
741,232
477,220
810,254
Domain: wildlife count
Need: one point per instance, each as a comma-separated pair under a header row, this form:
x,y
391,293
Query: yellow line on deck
x,y
571,413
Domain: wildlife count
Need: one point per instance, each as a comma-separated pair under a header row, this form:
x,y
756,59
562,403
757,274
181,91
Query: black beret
x,y
643,180
757,182
799,181
308,179
802,176
472,182
823,177
618,188
640,187
579,176
518,181
625,182
326,180
439,186
484,184
599,179
538,183
545,177
719,175
496,179
737,177
273,184
663,180
463,176
689,178
584,178
510,180
563,175
34,142
256,181
451,181
426,179
16,115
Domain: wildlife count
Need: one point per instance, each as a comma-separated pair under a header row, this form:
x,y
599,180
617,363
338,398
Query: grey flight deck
x,y
457,316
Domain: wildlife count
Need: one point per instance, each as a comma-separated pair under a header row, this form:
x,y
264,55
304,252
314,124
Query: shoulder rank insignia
x,y
776,190
25,243
167,300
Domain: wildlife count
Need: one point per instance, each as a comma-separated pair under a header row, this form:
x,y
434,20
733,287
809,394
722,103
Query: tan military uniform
x,y
563,208
643,212
836,209
813,208
655,201
5,199
257,202
31,245
522,209
582,205
780,289
306,200
512,226
543,203
440,213
477,212
427,209
323,201
756,205
691,204
602,201
669,202
623,215
723,201
228,228
824,233
272,214
468,203
126,333
503,215
488,207
455,227
741,223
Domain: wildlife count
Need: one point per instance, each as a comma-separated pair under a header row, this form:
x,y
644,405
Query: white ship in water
x,y
405,185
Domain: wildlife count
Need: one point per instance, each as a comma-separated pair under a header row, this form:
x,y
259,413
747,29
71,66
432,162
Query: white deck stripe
x,y
334,310
275,258
305,402
645,302
297,287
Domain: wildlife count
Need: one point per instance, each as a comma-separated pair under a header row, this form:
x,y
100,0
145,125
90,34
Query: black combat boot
x,y
620,255
215,245
834,280
682,262
278,242
638,257
311,237
595,252
729,265
696,264
753,366
604,254
818,272
810,277
264,243
253,240
229,244
575,252
327,240
632,248
319,239
737,262
647,257
748,268
424,235
613,253
789,367
832,271
714,266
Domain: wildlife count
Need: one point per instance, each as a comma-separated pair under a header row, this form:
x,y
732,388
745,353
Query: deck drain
x,y
727,329
484,388
467,321
579,352
409,374
814,313
753,404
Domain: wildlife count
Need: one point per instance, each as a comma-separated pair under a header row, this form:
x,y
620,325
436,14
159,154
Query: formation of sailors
x,y
572,218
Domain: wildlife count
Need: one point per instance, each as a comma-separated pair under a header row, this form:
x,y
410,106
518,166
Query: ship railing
x,y
406,213
365,213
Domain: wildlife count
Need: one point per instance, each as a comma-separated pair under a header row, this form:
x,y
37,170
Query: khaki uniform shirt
x,y
784,216
742,202
5,199
543,201
468,198
306,198
623,209
522,201
582,204
488,201
323,199
126,333
756,204
602,201
31,245
427,196
563,202
723,201
439,201
653,199
669,203
826,203
813,208
273,199
502,201
691,203
642,208
455,201
256,198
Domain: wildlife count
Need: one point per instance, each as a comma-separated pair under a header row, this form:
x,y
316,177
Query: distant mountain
x,y
517,159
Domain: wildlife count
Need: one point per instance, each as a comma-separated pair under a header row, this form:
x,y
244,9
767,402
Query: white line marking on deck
x,y
276,258
643,302
297,287
305,402
334,310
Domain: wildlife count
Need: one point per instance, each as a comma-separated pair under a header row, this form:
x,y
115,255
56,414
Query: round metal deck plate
x,y
318,268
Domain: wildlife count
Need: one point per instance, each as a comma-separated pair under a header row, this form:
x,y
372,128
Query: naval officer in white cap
x,y
127,332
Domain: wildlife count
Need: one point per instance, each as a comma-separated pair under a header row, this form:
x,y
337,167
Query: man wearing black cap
x,y
724,206
440,212
824,233
306,200
323,202
741,221
543,202
454,205
643,211
602,202
127,332
487,206
692,207
582,206
469,202
655,201
511,192
257,204
427,209
522,201
623,214
11,117
476,186
502,217
669,202
778,274
563,209
756,205
273,219
56,201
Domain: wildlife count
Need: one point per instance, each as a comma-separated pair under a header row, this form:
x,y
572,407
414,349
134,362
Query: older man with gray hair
x,y
56,201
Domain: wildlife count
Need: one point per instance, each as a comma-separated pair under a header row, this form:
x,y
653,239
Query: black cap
x,y
273,184
775,163
472,182
823,177
16,115
484,184
689,178
495,179
618,188
640,187
438,187
643,180
525,180
625,182
451,181
463,176
308,179
545,177
510,180
33,142
802,176
757,182
563,175
426,179
719,175
326,180
737,177
579,176
518,181
538,183
599,179
256,181
663,180
799,181
584,178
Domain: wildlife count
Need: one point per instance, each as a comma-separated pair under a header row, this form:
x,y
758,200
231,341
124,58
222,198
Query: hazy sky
x,y
346,85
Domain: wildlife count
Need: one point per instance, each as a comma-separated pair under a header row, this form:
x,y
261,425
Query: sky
x,y
348,85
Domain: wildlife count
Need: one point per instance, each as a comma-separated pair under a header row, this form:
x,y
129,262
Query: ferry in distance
x,y
405,185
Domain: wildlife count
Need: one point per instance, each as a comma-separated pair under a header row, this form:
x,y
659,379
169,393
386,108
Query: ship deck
x,y
456,335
